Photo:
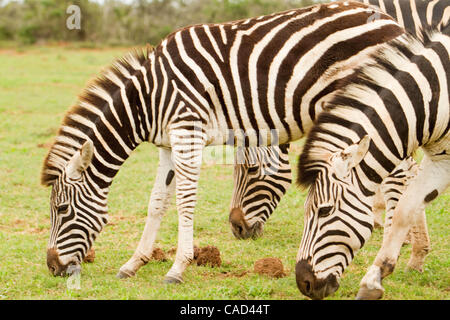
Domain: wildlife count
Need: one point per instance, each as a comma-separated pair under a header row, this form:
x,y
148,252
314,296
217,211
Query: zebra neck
x,y
125,123
115,113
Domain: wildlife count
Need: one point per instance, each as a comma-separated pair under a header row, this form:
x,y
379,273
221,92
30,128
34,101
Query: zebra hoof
x,y
370,287
415,265
122,274
365,293
171,279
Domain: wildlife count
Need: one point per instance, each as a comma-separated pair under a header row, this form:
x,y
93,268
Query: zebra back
x,y
416,15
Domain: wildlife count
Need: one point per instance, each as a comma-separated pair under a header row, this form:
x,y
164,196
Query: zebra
x,y
390,107
262,176
247,220
238,83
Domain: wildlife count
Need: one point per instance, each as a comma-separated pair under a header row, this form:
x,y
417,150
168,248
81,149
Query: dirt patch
x,y
205,256
44,145
39,230
11,52
196,252
117,218
158,254
233,274
208,255
272,267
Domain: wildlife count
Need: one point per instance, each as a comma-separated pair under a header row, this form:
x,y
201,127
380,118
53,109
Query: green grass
x,y
37,85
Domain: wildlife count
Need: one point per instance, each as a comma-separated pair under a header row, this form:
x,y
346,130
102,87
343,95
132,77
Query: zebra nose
x,y
238,224
305,277
54,264
310,285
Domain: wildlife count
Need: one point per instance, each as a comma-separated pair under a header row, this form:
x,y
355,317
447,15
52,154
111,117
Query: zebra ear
x,y
80,160
360,151
350,157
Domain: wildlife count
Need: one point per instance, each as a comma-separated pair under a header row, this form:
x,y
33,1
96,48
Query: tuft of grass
x,y
37,85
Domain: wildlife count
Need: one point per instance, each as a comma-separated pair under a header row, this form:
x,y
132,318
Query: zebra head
x,y
77,215
337,219
261,177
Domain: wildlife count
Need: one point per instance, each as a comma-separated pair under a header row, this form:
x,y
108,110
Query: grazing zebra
x,y
247,220
262,176
391,107
246,83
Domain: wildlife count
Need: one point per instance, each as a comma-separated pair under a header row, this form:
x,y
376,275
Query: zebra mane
x,y
402,49
92,98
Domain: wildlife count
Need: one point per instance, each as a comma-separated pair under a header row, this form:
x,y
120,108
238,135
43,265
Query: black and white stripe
x,y
262,176
250,83
391,107
415,16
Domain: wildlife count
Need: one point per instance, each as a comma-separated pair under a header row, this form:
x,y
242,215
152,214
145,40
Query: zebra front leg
x,y
378,208
160,199
421,243
432,180
393,187
417,236
187,157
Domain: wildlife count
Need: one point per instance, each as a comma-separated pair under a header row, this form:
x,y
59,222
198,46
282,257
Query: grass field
x,y
37,85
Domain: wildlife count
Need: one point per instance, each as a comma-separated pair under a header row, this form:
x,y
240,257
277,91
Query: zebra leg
x,y
187,158
421,244
388,224
432,180
160,199
417,236
378,208
392,187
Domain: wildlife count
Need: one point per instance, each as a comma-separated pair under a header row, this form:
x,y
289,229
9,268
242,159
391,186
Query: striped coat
x,y
392,106
253,82
249,213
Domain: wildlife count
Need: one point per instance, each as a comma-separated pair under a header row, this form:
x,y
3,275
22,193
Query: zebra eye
x,y
63,208
325,211
252,170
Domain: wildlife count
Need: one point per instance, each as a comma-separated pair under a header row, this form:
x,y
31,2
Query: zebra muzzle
x,y
57,268
310,285
238,225
241,228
